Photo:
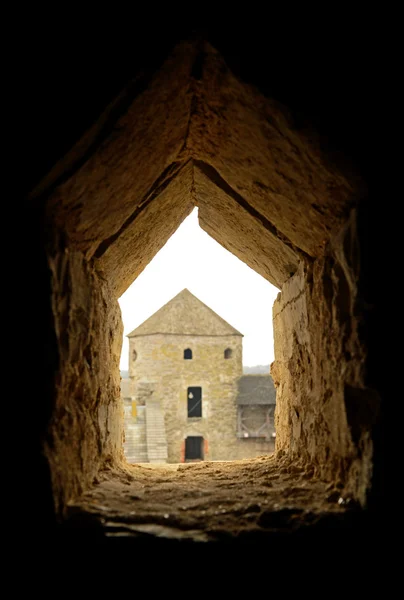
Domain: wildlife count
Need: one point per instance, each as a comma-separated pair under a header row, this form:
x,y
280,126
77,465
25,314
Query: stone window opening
x,y
194,396
134,355
228,353
306,257
188,354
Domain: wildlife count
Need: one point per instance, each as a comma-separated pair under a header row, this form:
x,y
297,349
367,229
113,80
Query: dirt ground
x,y
210,501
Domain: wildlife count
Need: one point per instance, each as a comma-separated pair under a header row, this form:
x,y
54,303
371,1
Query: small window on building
x,y
134,355
228,353
194,402
188,354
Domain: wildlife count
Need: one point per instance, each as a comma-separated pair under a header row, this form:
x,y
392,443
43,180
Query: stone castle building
x,y
187,398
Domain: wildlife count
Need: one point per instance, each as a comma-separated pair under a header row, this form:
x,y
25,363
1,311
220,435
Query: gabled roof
x,y
185,314
256,389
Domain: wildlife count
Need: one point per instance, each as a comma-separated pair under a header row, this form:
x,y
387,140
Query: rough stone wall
x,y
85,431
266,190
160,366
324,410
267,171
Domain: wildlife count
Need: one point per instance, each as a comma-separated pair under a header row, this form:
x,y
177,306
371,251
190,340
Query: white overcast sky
x,y
192,259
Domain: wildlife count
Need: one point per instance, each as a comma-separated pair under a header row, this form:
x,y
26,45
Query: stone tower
x,y
184,364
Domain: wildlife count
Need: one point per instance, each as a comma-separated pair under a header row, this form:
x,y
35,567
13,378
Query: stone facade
x,y
183,351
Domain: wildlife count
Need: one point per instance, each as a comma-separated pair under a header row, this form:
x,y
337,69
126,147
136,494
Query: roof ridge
x,y
185,322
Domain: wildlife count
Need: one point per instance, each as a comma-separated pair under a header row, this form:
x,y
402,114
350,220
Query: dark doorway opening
x,y
188,354
194,448
194,396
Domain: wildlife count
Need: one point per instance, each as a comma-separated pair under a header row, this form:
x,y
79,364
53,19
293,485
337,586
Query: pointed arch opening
x,y
283,207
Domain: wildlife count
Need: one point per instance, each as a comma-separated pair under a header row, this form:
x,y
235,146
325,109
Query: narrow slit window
x,y
188,354
134,355
228,353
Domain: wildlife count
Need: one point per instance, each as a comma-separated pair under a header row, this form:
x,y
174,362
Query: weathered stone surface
x,y
146,233
241,233
132,165
266,192
324,410
281,172
86,430
234,500
271,176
